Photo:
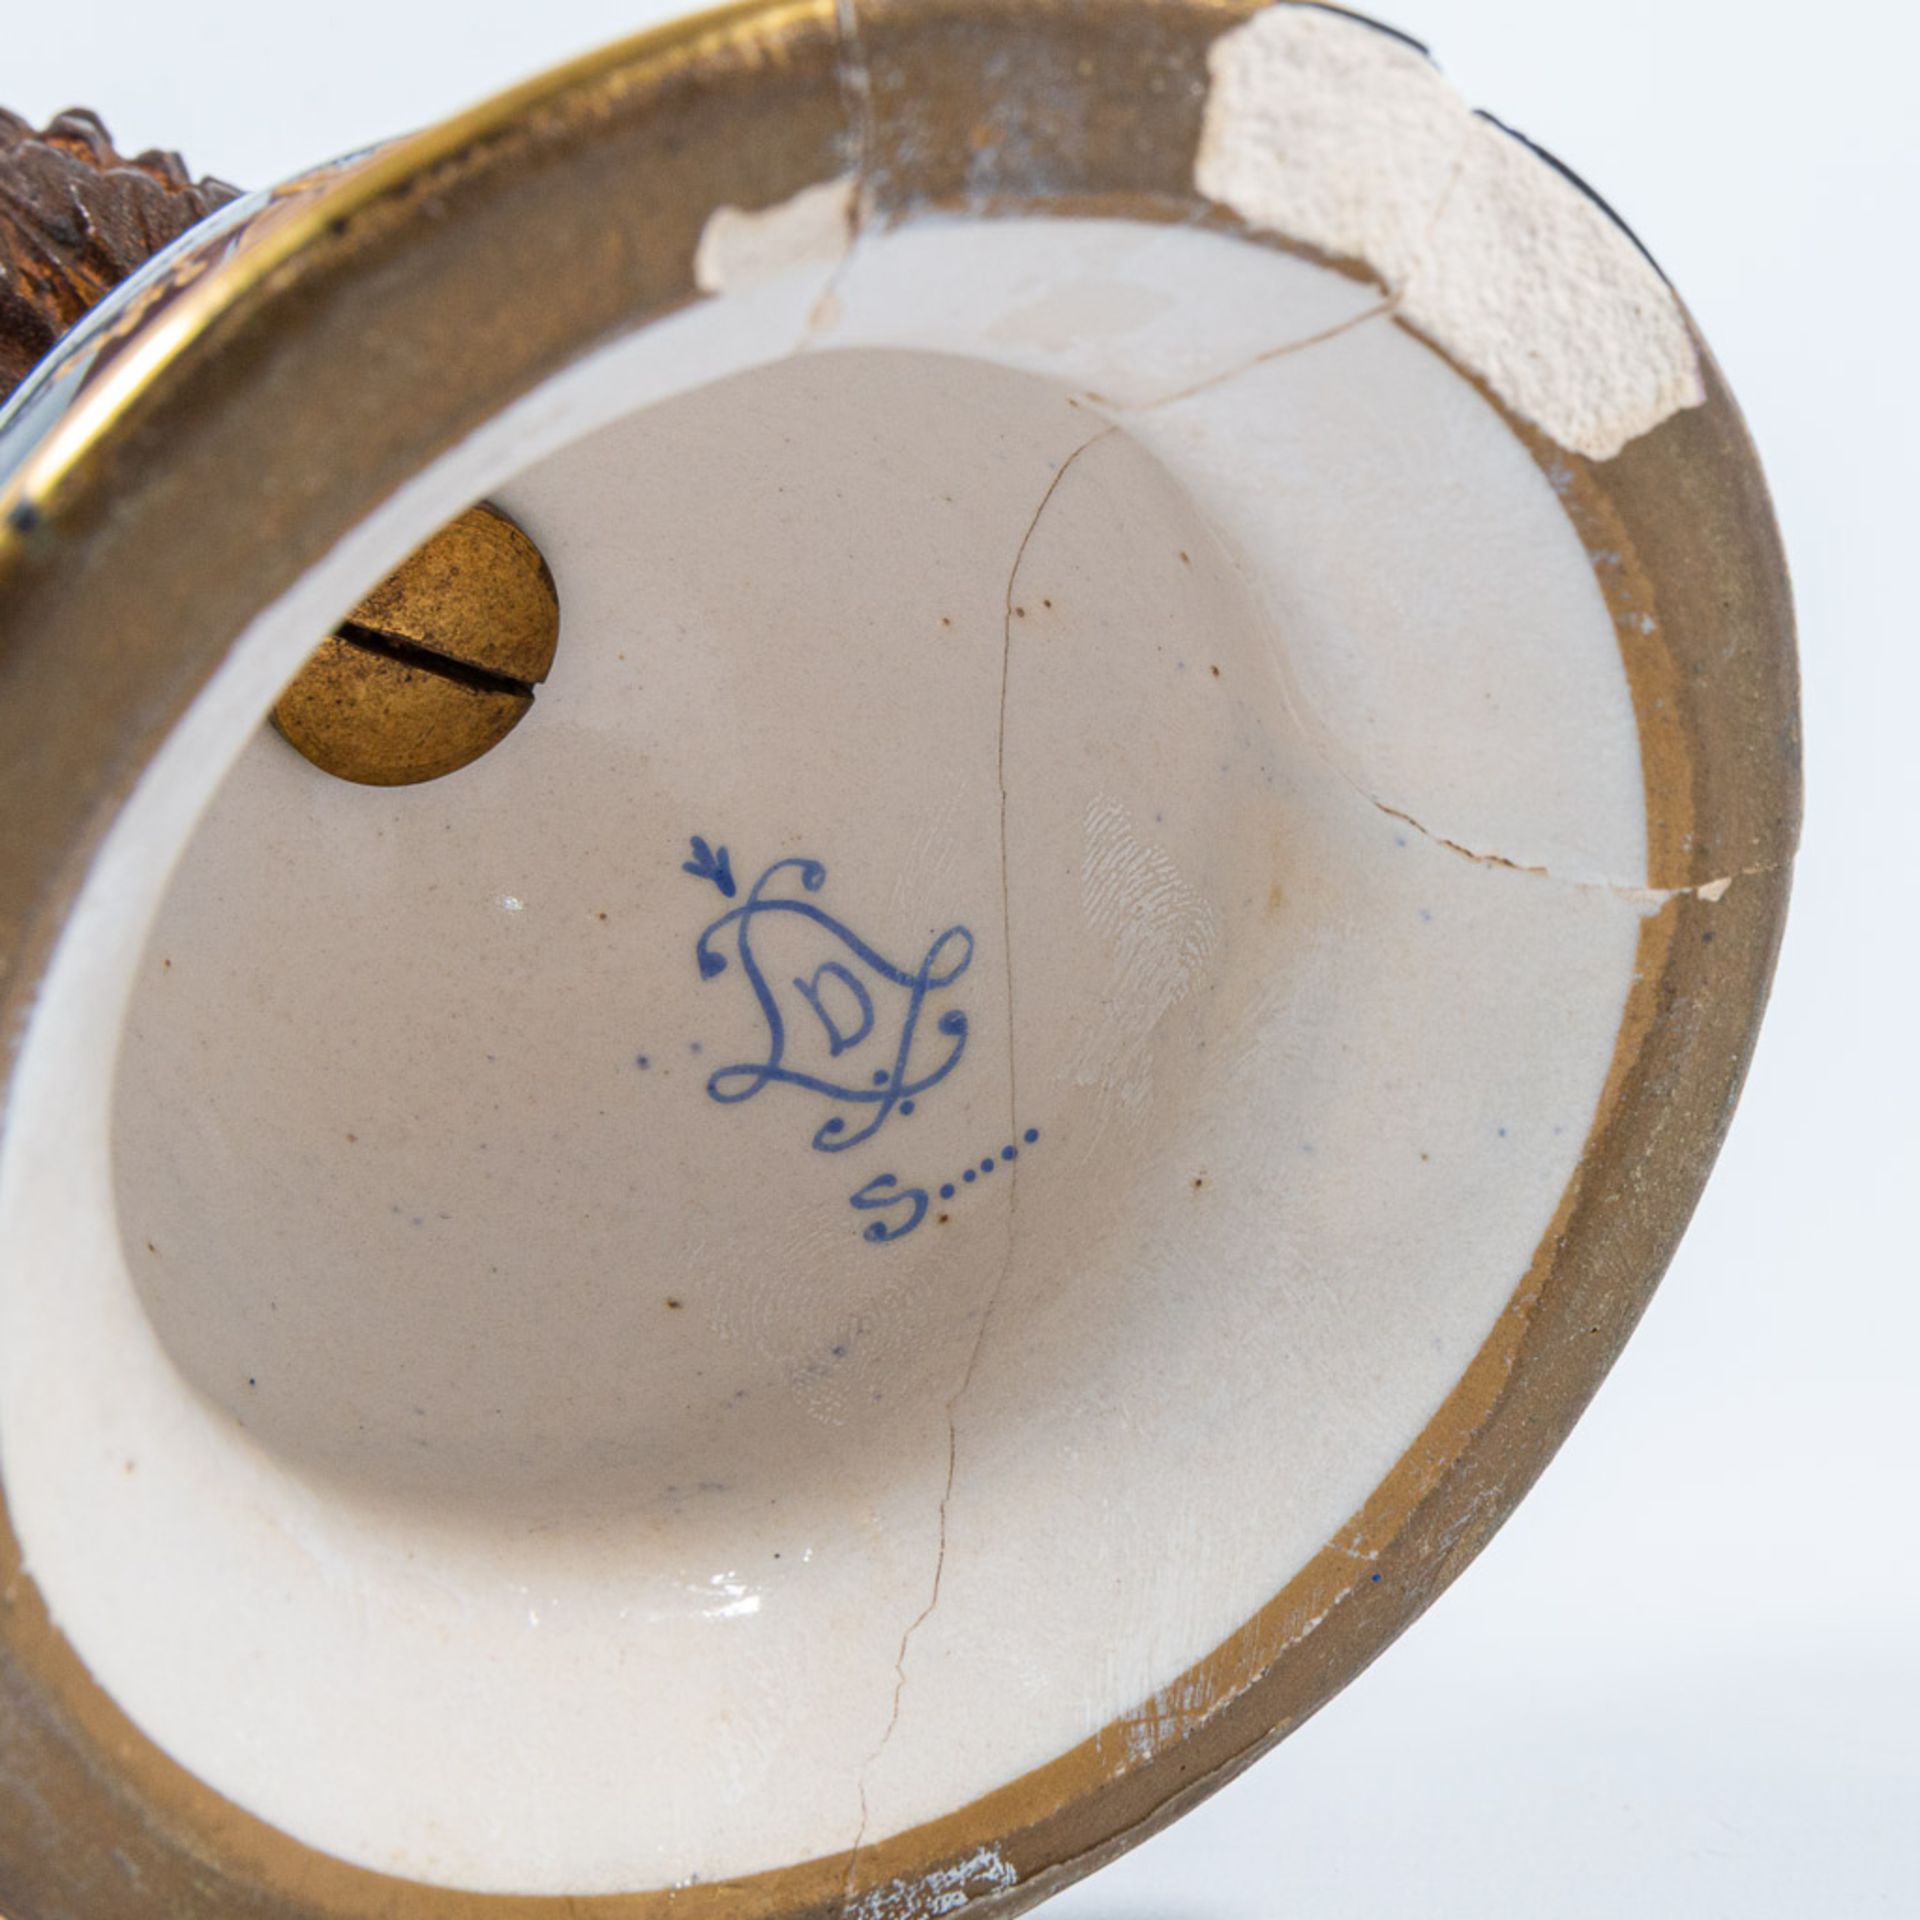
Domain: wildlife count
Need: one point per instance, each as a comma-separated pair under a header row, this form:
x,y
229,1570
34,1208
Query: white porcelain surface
x,y
451,1545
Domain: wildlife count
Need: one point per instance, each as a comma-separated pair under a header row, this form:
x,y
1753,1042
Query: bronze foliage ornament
x,y
76,218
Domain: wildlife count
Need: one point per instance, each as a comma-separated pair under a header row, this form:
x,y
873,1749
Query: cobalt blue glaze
x,y
841,994
860,1001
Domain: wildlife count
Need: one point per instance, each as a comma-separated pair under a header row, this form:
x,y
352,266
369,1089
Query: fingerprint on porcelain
x,y
1158,933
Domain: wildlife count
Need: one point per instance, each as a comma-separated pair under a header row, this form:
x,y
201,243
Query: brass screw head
x,y
436,666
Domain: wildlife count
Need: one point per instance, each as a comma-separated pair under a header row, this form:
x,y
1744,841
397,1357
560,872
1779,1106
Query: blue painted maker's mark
x,y
854,999
846,996
885,1190
708,865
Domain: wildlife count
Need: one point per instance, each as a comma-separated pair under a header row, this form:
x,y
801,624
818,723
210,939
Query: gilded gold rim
x,y
499,247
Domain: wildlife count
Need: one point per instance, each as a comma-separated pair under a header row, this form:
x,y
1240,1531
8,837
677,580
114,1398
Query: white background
x,y
1684,1680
